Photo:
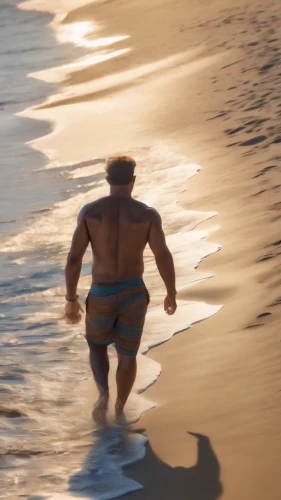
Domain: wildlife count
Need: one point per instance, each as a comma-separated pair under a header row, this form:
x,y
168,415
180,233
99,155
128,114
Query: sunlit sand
x,y
192,91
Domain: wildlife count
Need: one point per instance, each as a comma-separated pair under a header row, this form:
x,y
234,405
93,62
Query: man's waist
x,y
105,283
109,288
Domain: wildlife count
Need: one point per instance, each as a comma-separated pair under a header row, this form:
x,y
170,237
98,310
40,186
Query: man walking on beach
x,y
118,228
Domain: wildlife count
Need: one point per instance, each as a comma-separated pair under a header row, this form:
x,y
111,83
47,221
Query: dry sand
x,y
223,380
215,96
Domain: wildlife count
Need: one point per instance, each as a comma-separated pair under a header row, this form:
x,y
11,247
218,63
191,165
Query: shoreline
x,y
220,379
186,315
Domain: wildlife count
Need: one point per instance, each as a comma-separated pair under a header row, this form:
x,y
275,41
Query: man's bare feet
x,y
100,409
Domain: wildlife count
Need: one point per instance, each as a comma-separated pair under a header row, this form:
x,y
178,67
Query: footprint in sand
x,y
268,257
276,303
276,141
234,131
265,170
266,67
260,192
263,315
276,206
233,144
254,140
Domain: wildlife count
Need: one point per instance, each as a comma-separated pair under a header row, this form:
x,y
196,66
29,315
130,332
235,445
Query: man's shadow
x,y
200,482
159,480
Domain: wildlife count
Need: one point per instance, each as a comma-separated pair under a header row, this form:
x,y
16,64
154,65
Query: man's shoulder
x,y
150,212
141,204
88,208
92,205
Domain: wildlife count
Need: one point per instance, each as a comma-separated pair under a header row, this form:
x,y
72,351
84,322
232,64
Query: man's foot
x,y
100,409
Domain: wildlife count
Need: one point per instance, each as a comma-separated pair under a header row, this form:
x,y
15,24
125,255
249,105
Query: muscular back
x,y
118,228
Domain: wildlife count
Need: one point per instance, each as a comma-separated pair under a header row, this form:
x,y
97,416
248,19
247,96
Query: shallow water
x,y
27,45
49,445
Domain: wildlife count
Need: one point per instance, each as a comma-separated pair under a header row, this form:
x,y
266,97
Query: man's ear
x,y
107,179
134,179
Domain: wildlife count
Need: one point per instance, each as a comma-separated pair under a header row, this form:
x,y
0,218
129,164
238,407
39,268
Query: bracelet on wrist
x,y
72,300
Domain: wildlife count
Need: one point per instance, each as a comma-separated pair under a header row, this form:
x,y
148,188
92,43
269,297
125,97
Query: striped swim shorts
x,y
115,313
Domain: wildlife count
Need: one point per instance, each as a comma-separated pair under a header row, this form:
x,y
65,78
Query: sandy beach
x,y
201,80
222,380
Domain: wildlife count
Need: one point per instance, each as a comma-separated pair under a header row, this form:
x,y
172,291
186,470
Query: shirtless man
x,y
118,228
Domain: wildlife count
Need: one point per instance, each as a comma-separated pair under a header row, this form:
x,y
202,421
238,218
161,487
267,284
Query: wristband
x,y
72,300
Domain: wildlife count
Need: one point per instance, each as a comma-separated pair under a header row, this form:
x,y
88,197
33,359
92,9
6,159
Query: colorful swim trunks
x,y
116,314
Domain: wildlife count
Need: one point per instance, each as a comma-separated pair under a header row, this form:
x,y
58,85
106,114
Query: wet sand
x,y
215,97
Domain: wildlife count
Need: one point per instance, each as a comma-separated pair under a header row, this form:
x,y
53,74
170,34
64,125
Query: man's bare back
x,y
118,229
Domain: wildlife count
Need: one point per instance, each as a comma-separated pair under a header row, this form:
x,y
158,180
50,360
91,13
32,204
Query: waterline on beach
x,y
50,383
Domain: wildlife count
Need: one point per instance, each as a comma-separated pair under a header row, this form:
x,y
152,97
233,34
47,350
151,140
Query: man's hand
x,y
170,304
164,261
72,312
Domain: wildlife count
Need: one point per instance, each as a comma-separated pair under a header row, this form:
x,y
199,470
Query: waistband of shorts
x,y
103,289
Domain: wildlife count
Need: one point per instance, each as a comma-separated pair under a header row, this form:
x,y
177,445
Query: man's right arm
x,y
164,261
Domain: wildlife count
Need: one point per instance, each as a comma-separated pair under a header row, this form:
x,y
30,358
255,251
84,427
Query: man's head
x,y
120,172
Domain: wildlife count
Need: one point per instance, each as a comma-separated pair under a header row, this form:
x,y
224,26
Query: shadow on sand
x,y
200,482
159,480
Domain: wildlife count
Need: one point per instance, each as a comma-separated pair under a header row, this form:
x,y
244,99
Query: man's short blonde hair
x,y
120,170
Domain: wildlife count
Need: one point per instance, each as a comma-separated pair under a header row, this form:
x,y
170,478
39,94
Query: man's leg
x,y
100,367
125,378
132,307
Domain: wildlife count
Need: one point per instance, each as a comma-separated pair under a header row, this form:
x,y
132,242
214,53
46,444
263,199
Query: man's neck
x,y
120,191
